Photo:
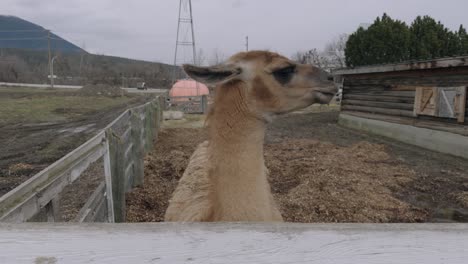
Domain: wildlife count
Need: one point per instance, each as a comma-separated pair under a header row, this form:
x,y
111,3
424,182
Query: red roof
x,y
188,87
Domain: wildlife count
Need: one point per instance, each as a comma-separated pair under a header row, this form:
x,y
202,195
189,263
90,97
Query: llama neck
x,y
237,163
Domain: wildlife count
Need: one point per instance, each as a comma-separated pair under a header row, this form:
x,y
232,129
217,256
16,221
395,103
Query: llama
x,y
226,179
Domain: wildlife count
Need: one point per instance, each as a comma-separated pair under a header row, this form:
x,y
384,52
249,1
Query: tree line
x,y
73,68
390,40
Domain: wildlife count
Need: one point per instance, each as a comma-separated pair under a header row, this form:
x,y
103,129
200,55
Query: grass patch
x,y
52,108
31,90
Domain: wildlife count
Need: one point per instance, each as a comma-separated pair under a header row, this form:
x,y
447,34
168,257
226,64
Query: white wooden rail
x,y
121,144
234,243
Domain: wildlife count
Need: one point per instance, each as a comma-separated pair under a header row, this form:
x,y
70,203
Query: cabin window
x,y
447,102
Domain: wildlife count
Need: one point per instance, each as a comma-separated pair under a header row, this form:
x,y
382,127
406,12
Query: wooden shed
x,y
423,103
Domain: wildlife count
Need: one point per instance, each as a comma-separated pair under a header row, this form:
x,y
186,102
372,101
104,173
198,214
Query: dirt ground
x,y
29,144
321,172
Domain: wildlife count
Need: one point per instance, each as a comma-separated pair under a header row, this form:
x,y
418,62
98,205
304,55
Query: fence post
x,y
148,127
108,178
137,151
53,210
117,175
157,118
204,102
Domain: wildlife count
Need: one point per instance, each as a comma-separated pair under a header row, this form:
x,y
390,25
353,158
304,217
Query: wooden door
x,y
447,102
452,102
425,102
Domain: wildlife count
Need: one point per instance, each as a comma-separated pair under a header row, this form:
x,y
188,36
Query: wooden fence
x,y
121,145
238,243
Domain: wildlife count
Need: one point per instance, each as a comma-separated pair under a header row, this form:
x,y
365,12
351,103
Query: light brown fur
x,y
226,179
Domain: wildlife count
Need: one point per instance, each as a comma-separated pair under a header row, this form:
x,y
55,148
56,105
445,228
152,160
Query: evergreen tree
x,y
431,39
386,40
463,40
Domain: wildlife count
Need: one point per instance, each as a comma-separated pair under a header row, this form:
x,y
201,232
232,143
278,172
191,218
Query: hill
x,y
18,33
24,59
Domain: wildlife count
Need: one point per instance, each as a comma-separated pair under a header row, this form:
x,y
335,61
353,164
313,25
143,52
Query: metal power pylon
x,y
185,42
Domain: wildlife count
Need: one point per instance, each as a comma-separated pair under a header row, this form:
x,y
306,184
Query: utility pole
x,y
185,24
51,71
247,43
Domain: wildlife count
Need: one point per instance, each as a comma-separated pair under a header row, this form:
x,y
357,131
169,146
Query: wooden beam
x,y
406,66
378,110
379,98
92,210
408,94
400,106
235,243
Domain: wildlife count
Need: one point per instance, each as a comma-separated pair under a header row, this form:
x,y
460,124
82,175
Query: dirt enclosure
x,y
320,172
39,126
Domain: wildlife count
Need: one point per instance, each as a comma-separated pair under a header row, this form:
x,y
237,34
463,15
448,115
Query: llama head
x,y
270,83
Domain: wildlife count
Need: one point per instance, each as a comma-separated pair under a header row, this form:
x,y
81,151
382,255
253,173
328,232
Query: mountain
x,y
17,33
24,59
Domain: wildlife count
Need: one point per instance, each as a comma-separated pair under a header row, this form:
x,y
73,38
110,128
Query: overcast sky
x,y
146,29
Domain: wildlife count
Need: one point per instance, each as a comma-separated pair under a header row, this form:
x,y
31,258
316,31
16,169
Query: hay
x,y
311,181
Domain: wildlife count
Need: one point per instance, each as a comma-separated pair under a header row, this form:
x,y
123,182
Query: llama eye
x,y
284,75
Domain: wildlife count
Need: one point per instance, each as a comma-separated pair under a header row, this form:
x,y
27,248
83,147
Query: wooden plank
x,y
117,165
128,150
402,106
120,123
392,82
93,206
126,134
129,177
235,243
408,94
406,66
379,98
148,128
26,200
137,151
463,111
417,101
378,110
108,180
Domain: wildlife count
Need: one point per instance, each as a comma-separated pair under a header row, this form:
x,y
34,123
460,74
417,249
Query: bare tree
x,y
313,57
200,59
217,57
332,57
334,51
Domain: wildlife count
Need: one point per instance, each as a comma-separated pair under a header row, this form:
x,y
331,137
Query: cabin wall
x,y
390,96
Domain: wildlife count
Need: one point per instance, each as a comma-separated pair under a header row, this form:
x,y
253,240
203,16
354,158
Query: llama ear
x,y
213,74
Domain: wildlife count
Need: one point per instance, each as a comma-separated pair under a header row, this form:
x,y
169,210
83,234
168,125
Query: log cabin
x,y
423,103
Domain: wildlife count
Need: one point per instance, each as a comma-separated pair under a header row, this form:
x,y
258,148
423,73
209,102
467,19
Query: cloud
x,y
146,29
